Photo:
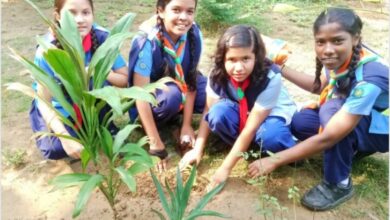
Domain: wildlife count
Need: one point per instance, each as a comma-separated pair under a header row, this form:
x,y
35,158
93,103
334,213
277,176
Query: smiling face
x,y
82,12
239,62
333,45
178,16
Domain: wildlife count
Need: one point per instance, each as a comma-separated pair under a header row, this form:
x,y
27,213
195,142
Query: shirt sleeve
x,y
143,65
119,63
269,97
209,91
362,98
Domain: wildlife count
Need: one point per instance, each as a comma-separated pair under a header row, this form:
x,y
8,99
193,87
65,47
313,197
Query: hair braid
x,y
317,79
345,85
192,73
167,70
95,42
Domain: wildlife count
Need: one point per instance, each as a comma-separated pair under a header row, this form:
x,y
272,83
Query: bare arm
x,y
146,115
196,153
339,126
119,77
303,80
72,148
188,110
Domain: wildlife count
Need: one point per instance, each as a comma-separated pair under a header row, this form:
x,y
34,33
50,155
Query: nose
x,y
183,16
79,18
329,49
238,67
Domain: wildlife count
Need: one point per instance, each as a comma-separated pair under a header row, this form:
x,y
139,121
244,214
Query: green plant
x,y
100,147
14,158
175,209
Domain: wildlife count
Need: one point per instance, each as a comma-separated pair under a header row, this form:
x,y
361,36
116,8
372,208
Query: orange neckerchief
x,y
179,73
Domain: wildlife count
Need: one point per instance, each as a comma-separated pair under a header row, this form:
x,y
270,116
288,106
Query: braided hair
x,y
351,23
235,37
191,76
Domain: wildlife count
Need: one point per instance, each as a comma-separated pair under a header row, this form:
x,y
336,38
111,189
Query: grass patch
x,y
371,181
14,158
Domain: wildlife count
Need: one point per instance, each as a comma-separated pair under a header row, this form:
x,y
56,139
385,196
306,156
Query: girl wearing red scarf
x,y
43,118
246,103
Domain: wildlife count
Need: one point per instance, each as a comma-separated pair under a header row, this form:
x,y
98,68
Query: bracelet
x,y
162,154
282,67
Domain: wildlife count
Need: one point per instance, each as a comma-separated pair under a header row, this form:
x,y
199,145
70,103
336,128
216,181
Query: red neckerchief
x,y
87,42
240,89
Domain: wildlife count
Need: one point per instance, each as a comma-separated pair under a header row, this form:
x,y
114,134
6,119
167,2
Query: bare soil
x,y
26,193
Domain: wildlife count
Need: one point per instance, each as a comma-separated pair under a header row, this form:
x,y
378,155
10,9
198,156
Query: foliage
x,y
14,158
175,209
94,134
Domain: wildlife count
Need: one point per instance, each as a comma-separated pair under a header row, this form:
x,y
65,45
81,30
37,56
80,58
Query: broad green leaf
x,y
127,178
175,202
43,78
70,32
107,141
85,193
123,24
110,95
104,58
44,44
122,135
61,63
161,194
85,158
137,168
132,150
68,180
137,93
140,159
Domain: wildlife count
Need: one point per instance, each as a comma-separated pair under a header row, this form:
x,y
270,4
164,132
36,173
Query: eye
x,y
86,12
175,10
190,12
338,41
319,42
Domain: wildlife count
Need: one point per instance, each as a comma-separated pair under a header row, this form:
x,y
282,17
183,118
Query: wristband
x,y
162,154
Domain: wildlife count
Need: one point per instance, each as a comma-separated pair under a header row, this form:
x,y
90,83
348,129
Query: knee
x,y
169,102
51,148
328,109
219,114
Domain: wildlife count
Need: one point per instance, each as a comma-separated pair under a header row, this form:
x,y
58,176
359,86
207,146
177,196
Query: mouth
x,y
329,60
181,26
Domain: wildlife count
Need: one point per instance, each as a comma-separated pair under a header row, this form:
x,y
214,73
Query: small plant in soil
x,y
176,203
113,160
14,158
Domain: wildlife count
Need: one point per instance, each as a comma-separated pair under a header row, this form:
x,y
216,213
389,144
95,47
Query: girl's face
x,y
82,12
239,62
178,16
333,45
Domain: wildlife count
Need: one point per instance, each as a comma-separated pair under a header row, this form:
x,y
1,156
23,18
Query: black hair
x,y
351,23
190,78
235,37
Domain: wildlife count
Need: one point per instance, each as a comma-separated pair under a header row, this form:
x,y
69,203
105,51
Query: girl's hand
x,y
219,176
191,157
157,148
187,134
72,148
261,167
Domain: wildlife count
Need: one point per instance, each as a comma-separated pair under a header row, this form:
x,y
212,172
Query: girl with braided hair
x,y
43,118
169,45
349,121
246,103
